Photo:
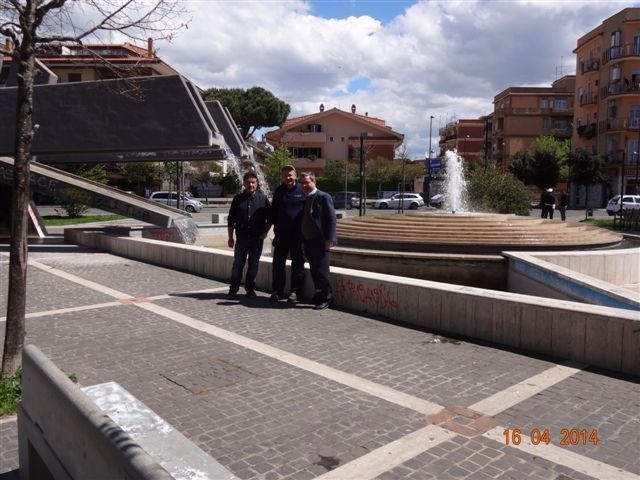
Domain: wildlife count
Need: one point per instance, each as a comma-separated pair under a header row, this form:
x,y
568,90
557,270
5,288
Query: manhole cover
x,y
207,375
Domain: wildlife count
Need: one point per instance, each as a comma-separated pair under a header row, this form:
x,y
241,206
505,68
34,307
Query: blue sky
x,y
383,10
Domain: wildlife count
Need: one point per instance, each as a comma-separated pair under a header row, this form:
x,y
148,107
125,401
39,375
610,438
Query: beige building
x,y
607,109
521,114
335,135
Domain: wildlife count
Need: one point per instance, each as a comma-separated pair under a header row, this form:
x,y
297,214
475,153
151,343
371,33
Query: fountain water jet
x,y
455,190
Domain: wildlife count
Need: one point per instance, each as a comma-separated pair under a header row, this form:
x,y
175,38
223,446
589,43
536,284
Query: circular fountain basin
x,y
464,249
474,233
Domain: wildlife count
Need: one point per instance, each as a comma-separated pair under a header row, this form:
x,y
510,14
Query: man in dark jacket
x,y
548,203
319,235
249,217
286,217
562,206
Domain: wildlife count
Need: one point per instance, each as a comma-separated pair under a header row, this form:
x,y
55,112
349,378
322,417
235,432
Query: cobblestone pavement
x,y
284,392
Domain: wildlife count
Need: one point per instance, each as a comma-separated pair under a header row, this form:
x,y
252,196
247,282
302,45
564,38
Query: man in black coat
x,y
548,203
286,217
249,217
319,235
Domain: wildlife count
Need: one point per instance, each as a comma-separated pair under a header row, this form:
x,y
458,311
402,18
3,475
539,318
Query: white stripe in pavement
x,y
68,310
190,292
563,456
501,401
389,456
386,393
85,283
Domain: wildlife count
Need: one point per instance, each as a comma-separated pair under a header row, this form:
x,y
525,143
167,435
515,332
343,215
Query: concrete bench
x,y
101,433
219,218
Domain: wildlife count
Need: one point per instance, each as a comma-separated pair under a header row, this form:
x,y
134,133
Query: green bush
x,y
493,190
10,392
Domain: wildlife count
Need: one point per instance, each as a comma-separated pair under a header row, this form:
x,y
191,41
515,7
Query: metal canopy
x,y
125,120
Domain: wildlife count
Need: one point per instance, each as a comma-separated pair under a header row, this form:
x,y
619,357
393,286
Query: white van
x,y
187,201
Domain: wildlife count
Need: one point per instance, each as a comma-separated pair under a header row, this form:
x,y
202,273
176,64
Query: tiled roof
x,y
295,120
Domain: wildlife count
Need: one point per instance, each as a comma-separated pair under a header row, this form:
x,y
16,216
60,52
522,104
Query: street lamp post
x,y
464,145
346,165
621,183
426,186
363,184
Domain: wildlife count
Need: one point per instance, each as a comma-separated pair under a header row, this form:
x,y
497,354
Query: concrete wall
x,y
601,336
79,440
529,274
619,267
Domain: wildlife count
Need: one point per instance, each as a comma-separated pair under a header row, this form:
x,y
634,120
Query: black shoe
x,y
275,298
251,293
232,294
323,305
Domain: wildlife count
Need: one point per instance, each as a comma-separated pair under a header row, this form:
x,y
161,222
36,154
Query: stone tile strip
x,y
507,398
68,310
563,456
385,458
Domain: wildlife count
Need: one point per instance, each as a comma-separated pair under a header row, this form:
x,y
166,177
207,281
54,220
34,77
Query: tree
x,y
139,173
494,190
273,165
30,23
541,164
251,109
71,204
208,174
586,169
335,171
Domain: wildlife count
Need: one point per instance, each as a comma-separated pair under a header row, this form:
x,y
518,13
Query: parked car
x,y
346,200
437,200
629,202
187,202
412,201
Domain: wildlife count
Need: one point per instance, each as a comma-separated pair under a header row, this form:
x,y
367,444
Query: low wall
x,y
532,274
602,336
619,267
485,271
63,435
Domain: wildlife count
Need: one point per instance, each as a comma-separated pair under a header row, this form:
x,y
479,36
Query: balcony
x,y
619,123
620,88
589,99
291,138
536,111
562,132
587,131
620,51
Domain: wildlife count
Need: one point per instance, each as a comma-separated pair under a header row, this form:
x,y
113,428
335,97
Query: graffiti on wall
x,y
379,296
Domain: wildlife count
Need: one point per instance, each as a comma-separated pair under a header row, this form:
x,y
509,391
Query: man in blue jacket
x,y
286,217
319,235
249,217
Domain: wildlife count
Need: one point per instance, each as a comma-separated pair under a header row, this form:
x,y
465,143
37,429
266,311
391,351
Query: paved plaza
x,y
275,391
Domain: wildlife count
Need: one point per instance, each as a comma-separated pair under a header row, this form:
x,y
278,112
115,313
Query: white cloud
x,y
442,58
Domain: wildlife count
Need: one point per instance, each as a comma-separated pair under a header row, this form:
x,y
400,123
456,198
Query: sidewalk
x,y
280,391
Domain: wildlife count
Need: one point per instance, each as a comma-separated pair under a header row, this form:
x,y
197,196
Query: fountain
x,y
460,247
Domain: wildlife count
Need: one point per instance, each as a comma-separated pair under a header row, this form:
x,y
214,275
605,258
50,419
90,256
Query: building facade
x,y
335,135
522,114
468,137
607,108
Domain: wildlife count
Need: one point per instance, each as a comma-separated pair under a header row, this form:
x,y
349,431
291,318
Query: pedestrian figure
x,y
562,206
286,217
548,202
249,217
319,235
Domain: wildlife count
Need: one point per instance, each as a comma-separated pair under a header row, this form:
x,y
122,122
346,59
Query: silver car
x,y
187,202
411,201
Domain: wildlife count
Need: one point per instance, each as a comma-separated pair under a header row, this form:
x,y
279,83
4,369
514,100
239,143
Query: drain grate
x,y
207,375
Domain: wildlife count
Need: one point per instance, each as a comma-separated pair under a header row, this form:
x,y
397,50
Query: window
x,y
560,104
616,73
331,139
315,127
634,116
544,103
615,44
305,152
342,139
74,77
545,123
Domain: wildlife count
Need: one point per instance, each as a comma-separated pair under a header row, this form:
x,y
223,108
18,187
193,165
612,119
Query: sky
x,y
401,61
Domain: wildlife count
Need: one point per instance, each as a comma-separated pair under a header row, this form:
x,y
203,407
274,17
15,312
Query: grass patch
x,y
10,393
58,221
600,222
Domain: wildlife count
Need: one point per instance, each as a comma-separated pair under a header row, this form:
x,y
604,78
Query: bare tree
x,y
29,24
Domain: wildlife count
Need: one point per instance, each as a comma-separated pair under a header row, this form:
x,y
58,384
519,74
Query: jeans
x,y
245,247
283,246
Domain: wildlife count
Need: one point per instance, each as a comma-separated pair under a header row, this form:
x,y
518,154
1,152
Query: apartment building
x,y
76,63
468,137
522,114
335,135
607,107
